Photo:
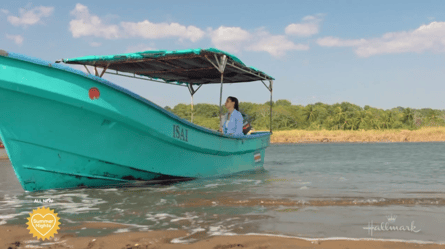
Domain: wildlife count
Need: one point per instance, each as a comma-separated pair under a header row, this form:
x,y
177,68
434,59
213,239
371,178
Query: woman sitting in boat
x,y
233,121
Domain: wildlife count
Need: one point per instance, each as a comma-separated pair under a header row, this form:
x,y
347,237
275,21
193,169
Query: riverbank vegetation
x,y
318,117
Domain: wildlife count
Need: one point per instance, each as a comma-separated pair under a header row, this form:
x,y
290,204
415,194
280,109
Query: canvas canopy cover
x,y
191,66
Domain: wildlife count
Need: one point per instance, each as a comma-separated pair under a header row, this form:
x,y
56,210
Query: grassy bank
x,y
433,134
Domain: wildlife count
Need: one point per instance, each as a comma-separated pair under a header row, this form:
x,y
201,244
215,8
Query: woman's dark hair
x,y
233,99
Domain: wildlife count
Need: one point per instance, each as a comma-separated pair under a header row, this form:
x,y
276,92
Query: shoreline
x,y
322,140
351,142
423,135
15,236
429,134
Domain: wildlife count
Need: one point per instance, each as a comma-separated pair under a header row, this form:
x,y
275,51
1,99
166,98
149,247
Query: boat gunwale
x,y
68,69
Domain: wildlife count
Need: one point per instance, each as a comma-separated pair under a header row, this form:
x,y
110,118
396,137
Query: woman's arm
x,y
239,124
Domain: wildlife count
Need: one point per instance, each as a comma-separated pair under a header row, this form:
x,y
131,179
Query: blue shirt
x,y
234,125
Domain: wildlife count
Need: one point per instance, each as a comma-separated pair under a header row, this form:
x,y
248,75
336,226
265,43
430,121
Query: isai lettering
x,y
180,133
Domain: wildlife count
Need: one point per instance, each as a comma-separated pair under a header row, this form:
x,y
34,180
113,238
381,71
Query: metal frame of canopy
x,y
220,63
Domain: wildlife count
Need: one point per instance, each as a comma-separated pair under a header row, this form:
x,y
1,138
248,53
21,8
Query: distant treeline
x,y
339,116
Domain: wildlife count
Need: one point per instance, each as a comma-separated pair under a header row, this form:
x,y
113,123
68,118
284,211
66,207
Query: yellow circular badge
x,y
43,223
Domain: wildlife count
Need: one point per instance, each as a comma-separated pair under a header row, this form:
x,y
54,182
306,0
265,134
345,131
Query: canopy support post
x,y
222,66
268,88
220,98
192,92
87,69
95,71
249,72
271,103
217,67
104,70
191,119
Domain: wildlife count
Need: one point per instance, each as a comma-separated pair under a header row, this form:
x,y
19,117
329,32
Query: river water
x,y
305,190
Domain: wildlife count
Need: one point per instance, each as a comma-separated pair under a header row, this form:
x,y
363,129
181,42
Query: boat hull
x,y
56,136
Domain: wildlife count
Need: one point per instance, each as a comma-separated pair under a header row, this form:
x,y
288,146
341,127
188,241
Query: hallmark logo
x,y
391,218
385,226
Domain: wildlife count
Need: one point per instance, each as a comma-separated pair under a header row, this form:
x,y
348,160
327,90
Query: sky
x,y
379,53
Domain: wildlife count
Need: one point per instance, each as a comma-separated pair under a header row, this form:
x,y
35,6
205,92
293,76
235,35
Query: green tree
x,y
206,110
316,116
183,111
408,117
283,102
309,113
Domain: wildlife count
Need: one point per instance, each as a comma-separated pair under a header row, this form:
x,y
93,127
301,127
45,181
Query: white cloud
x,y
276,45
4,11
230,39
29,17
149,30
234,39
140,48
309,26
18,39
95,44
336,42
86,24
426,37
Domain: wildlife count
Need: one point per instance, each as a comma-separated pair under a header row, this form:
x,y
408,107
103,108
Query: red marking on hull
x,y
94,93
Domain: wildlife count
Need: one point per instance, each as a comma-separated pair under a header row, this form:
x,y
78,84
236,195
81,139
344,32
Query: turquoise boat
x,y
64,128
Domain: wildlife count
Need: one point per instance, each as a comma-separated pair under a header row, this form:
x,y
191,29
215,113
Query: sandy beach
x,y
15,237
429,134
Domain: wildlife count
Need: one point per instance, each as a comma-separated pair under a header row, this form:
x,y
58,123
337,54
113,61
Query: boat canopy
x,y
190,66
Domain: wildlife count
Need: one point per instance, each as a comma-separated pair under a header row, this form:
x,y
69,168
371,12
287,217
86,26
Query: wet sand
x,y
227,201
15,237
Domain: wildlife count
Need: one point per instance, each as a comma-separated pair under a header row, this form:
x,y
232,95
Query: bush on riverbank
x,y
318,116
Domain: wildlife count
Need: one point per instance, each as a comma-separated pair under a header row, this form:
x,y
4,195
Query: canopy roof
x,y
194,66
